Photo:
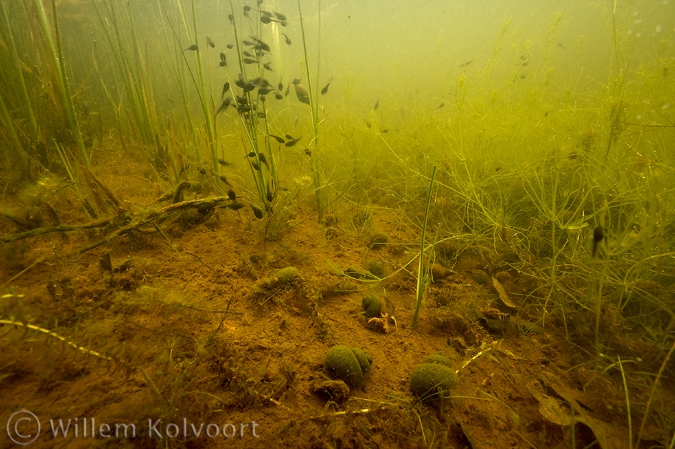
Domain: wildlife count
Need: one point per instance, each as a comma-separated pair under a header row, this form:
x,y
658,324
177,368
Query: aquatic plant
x,y
314,106
422,266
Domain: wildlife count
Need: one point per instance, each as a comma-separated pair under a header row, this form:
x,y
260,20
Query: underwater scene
x,y
337,223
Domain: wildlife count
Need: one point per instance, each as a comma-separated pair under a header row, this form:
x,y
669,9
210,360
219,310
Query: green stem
x,y
420,269
314,108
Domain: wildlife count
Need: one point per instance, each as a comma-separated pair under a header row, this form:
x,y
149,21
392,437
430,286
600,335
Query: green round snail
x,y
374,306
433,378
348,364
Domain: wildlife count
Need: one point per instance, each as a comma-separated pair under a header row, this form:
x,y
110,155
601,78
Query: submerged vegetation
x,y
538,169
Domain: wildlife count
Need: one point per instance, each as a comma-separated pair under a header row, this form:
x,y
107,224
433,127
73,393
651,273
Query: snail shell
x,y
433,378
348,364
374,306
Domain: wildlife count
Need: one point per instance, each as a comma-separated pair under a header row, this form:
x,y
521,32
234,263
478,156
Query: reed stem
x,y
420,268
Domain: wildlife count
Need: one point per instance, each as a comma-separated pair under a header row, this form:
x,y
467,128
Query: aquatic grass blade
x,y
420,268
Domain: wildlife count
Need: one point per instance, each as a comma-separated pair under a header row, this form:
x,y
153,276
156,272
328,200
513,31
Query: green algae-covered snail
x,y
433,378
375,306
371,306
348,364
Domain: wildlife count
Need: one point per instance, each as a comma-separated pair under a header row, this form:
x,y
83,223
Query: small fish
x,y
280,86
249,43
257,212
522,76
262,158
231,195
277,138
598,235
248,87
224,106
324,91
264,90
268,67
210,42
302,93
226,87
278,96
266,13
522,57
279,15
289,137
230,18
377,105
248,54
288,89
308,152
260,113
468,63
224,179
241,99
243,108
222,64
230,46
192,47
367,123
250,61
255,165
265,19
384,131
440,105
296,81
223,162
270,196
525,63
561,46
288,41
223,57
